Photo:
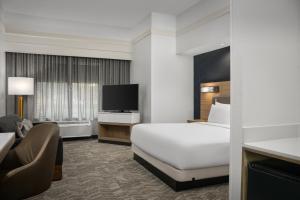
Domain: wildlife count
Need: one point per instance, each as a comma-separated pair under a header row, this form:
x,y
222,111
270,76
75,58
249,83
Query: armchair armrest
x,y
17,180
11,161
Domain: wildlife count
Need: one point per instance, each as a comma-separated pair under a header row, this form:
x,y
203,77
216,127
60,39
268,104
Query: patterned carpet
x,y
95,170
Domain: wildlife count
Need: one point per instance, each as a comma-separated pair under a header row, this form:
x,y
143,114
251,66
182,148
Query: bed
x,y
184,155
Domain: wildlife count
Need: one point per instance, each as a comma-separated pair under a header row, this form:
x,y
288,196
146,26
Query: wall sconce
x,y
210,89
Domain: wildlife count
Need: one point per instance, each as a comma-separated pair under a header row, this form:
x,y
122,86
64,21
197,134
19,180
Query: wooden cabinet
x,y
247,157
286,149
117,133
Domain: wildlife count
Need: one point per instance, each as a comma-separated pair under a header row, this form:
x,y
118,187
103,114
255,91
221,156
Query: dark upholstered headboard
x,y
221,99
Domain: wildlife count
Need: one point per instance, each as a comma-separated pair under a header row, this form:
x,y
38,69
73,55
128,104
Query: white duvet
x,y
184,146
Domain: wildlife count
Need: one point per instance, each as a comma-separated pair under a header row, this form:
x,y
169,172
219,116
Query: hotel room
x,y
139,99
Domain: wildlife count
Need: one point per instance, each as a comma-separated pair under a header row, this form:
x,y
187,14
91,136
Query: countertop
x,y
286,148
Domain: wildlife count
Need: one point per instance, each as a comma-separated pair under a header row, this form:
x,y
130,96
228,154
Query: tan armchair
x,y
28,169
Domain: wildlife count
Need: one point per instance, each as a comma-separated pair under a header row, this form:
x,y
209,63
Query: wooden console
x,y
285,149
117,133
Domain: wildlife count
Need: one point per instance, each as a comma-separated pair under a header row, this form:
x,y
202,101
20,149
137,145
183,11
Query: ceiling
x,y
116,13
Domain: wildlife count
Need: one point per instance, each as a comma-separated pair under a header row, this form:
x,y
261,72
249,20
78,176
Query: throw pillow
x,y
24,127
19,131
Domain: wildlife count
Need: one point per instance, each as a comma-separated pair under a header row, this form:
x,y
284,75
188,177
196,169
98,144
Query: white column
x,y
265,71
2,70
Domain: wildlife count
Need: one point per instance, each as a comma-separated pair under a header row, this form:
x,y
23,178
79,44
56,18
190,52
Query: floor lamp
x,y
20,86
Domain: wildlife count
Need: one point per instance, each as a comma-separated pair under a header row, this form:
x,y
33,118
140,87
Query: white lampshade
x,y
20,86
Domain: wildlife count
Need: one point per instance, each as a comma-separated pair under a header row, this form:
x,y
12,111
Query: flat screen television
x,y
120,98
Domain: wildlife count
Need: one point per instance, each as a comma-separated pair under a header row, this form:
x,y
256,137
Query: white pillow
x,y
222,104
219,113
27,124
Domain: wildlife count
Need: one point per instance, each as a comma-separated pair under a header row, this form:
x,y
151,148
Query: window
x,y
51,101
84,101
66,88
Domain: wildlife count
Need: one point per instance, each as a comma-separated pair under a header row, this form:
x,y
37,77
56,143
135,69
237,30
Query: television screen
x,y
120,97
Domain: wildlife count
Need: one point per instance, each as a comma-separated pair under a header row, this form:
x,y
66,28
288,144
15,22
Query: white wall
x,y
141,74
166,79
2,68
204,27
172,82
171,74
265,69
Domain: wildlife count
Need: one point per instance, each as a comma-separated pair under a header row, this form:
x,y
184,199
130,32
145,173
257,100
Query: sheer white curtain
x,y
84,101
52,89
66,88
51,101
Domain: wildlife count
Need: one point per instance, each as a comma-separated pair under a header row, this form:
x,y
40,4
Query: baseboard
x,y
114,142
80,138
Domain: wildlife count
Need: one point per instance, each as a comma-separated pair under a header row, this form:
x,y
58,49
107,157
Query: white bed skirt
x,y
183,175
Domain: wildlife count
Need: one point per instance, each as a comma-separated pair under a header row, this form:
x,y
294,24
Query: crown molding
x,y
64,37
41,26
141,36
21,15
163,33
149,32
211,17
67,46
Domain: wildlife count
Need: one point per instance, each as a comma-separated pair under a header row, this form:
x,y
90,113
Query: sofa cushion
x,y
9,123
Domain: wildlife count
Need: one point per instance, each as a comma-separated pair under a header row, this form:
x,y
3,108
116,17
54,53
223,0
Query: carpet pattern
x,y
93,170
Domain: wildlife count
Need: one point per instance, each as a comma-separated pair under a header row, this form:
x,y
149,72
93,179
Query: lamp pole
x,y
20,107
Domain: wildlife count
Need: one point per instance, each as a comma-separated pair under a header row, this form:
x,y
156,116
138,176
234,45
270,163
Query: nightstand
x,y
196,120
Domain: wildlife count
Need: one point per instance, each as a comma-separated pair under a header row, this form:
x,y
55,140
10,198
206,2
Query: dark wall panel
x,y
213,66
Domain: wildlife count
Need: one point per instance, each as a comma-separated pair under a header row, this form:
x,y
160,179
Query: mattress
x,y
184,146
